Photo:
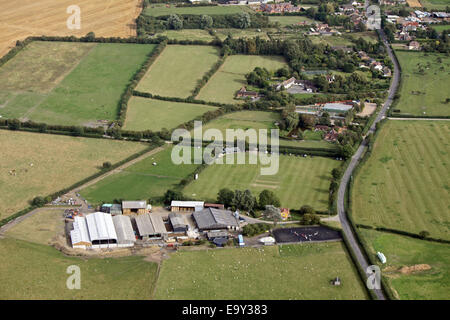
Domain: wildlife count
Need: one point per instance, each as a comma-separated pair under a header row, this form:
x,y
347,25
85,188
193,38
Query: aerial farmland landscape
x,y
194,152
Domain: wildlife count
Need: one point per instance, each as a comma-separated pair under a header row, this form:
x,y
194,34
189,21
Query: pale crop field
x,y
405,184
224,84
298,272
24,18
34,164
178,68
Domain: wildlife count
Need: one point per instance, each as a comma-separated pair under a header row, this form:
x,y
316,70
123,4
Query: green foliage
x,y
251,230
225,196
38,201
267,197
175,22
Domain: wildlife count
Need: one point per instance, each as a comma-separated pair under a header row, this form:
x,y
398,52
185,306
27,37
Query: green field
x,y
150,114
242,33
41,65
435,4
299,181
297,272
57,162
289,20
404,184
176,71
424,87
440,28
403,251
331,40
34,271
140,181
90,92
230,77
163,10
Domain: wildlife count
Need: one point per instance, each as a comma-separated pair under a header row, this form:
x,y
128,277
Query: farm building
x,y
124,231
215,219
80,235
214,205
101,230
178,222
186,206
134,207
113,209
150,227
211,235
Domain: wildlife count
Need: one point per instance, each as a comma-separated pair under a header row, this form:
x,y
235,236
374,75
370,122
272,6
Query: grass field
x,y
404,184
163,10
440,28
403,251
299,181
231,76
150,114
242,33
435,4
331,40
58,162
105,18
90,92
140,181
176,71
288,272
34,271
424,84
290,20
41,227
41,66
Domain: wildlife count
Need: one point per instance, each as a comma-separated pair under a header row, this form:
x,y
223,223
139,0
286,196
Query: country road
x,y
346,226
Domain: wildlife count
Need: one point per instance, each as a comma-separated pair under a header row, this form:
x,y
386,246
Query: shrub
x,y
307,210
38,201
106,165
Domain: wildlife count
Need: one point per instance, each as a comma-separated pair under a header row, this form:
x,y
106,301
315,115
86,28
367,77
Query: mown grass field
x,y
90,92
404,184
163,10
224,84
290,20
176,71
140,181
297,272
440,28
299,181
34,271
331,40
403,251
58,162
150,114
424,87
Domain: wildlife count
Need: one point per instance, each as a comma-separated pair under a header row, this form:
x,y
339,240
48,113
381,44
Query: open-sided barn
x,y
124,231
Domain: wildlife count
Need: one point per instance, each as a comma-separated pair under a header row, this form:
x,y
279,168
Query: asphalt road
x,y
347,229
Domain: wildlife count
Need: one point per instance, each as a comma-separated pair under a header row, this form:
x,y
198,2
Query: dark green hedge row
x,y
78,184
403,233
202,82
14,51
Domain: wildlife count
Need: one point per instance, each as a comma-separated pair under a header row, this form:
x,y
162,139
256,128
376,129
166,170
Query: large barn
x,y
150,227
101,230
134,207
178,222
186,206
124,231
215,219
80,235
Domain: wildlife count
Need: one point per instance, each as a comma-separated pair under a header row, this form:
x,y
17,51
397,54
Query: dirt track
x,y
24,18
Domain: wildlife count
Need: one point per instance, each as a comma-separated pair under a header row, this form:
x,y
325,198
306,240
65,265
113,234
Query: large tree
x,y
267,197
175,22
225,196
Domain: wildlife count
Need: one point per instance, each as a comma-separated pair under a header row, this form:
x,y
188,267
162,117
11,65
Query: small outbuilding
x,y
186,206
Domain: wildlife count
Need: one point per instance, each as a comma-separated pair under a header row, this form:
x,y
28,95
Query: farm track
x,y
26,18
